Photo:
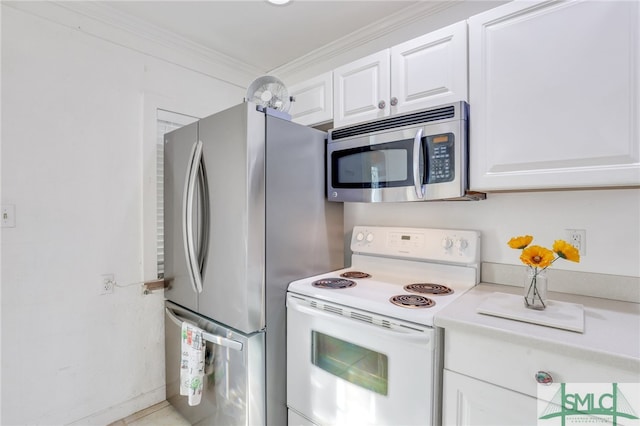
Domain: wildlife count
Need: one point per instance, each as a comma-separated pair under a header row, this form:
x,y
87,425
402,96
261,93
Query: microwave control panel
x,y
440,158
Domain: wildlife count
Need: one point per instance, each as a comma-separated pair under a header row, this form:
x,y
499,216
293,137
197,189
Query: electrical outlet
x,y
107,284
578,239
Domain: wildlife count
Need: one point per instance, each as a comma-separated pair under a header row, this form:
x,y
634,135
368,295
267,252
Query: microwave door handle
x,y
218,340
417,182
187,218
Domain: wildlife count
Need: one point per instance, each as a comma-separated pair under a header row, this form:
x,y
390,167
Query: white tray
x,y
567,316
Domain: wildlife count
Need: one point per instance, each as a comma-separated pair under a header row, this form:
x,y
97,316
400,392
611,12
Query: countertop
x,y
611,327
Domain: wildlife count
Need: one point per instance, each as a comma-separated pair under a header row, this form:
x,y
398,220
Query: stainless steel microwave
x,y
419,156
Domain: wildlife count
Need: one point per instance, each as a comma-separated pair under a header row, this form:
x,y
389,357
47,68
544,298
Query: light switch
x,y
8,216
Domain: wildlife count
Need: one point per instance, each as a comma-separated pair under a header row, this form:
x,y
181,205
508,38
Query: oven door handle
x,y
410,334
417,182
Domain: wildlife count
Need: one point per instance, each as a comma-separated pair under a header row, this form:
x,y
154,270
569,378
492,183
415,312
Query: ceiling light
x,y
279,2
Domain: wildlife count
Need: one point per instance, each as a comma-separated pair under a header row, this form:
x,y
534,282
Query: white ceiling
x,y
256,33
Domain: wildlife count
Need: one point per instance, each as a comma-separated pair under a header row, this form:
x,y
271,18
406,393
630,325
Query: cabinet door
x,y
471,402
361,90
430,70
554,95
313,100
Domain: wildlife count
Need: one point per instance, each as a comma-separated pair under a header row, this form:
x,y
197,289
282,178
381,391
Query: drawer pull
x,y
544,378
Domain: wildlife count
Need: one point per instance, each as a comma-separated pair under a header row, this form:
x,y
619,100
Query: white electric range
x,y
366,332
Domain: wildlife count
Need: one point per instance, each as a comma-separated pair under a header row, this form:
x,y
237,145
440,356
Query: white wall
x,y
73,164
611,218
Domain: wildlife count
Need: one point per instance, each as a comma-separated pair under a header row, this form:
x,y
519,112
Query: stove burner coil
x,y
355,274
428,288
333,283
412,301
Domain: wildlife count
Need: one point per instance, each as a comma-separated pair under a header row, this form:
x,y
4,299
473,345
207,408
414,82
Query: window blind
x,y
167,121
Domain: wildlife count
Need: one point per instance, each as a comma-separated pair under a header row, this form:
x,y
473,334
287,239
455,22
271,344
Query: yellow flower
x,y
540,257
520,242
537,256
566,251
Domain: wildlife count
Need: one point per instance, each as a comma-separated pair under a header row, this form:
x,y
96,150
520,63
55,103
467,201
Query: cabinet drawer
x,y
513,361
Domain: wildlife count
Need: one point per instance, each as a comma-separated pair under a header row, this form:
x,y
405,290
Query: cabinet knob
x,y
394,101
382,104
544,378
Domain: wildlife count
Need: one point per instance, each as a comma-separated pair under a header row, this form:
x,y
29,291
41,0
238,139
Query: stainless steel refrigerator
x,y
245,214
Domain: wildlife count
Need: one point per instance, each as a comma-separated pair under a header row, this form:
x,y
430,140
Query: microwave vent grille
x,y
426,116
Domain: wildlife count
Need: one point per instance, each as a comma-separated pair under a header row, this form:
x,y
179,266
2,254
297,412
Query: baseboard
x,y
127,408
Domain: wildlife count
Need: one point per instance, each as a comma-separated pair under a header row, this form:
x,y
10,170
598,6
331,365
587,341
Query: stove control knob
x,y
359,236
369,238
461,244
446,243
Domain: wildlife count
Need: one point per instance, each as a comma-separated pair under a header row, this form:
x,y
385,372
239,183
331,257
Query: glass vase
x,y
535,289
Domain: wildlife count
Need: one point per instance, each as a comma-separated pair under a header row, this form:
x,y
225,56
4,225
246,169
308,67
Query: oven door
x,y
350,367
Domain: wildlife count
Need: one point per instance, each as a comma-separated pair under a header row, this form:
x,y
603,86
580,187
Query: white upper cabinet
x,y
554,95
427,71
313,100
361,90
430,70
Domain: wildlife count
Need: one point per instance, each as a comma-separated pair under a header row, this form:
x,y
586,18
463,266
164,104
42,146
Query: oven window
x,y
358,365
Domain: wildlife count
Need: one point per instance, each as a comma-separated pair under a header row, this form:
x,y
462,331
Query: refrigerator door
x,y
186,217
304,236
233,154
234,388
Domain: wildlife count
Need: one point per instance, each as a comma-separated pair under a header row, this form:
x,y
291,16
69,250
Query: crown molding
x,y
401,19
101,21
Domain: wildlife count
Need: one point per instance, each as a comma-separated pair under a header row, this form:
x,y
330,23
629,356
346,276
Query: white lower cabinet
x,y
492,379
469,401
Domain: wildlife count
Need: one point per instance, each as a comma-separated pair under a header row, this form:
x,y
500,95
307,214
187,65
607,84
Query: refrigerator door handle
x,y
193,265
204,226
218,340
